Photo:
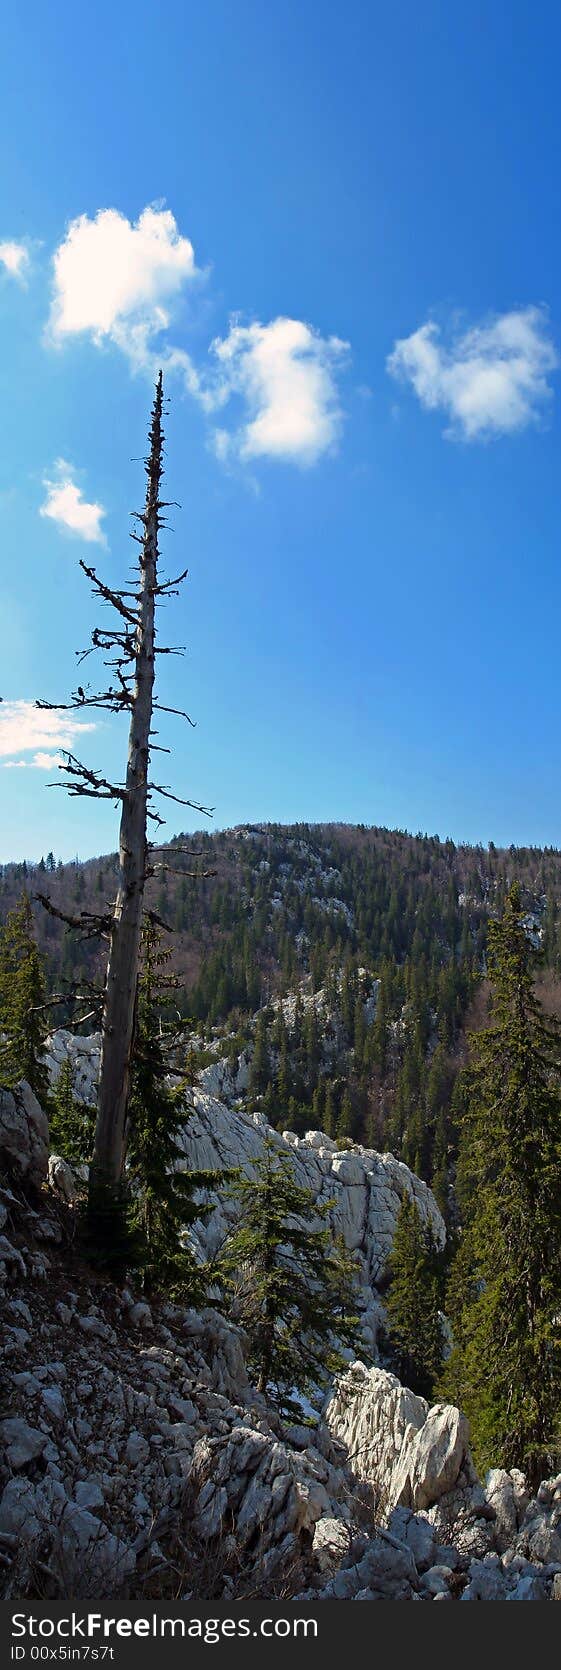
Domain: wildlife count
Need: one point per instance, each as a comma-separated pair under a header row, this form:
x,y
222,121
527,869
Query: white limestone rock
x,y
83,1054
508,1496
412,1455
24,1136
330,1544
62,1179
432,1458
375,1418
367,1188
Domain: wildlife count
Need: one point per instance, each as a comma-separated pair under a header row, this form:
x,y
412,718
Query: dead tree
x,y
131,641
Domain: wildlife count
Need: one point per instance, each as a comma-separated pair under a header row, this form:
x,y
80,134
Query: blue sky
x,y
337,229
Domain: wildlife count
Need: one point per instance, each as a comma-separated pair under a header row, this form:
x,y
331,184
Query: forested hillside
x,y
375,939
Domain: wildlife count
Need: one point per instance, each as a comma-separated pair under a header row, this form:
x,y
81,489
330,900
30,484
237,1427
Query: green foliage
x,y
162,1204
505,1287
290,1284
22,1003
413,1302
260,1067
71,1124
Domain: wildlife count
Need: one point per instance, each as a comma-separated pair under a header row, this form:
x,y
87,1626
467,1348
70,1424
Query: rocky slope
x,y
365,1188
137,1459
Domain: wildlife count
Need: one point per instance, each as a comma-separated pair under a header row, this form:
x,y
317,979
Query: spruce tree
x,y
505,1288
71,1125
345,1118
290,1284
161,1196
22,1003
260,1070
330,1113
412,1305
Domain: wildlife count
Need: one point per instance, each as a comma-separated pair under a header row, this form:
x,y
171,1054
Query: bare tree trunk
x,y
118,1021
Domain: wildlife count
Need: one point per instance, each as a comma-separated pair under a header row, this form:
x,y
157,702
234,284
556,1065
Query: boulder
x,y
23,1442
24,1136
62,1179
374,1417
330,1544
432,1458
418,1535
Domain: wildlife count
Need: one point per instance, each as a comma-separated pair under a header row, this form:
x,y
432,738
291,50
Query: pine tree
x,y
290,1284
22,1004
505,1289
412,1305
162,1205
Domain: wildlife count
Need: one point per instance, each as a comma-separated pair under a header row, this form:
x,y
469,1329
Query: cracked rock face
x,y
24,1136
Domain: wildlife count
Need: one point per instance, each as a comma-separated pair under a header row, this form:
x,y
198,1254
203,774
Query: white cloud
x,y
490,380
115,279
121,282
65,505
285,373
29,730
40,762
14,257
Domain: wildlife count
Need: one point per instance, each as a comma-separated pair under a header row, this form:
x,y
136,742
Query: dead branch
x,y
178,710
157,921
100,787
88,923
160,788
170,870
109,596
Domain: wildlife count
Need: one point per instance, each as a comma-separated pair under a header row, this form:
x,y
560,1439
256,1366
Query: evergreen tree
x,y
345,1119
22,1003
330,1113
290,1285
505,1288
71,1125
162,1205
260,1070
412,1305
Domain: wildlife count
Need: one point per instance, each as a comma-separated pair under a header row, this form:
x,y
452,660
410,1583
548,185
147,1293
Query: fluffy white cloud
x,y
119,282
39,762
14,258
115,278
29,730
285,373
490,380
65,505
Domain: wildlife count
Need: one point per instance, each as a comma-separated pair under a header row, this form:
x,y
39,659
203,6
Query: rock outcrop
x,y
24,1136
136,1457
365,1188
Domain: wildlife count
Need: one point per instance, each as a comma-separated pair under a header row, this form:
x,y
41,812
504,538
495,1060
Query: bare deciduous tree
x,y
131,642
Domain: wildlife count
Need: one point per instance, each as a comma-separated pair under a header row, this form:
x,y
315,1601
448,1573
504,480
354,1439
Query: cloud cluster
x,y
66,506
490,380
115,278
14,258
121,282
28,730
274,384
284,373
